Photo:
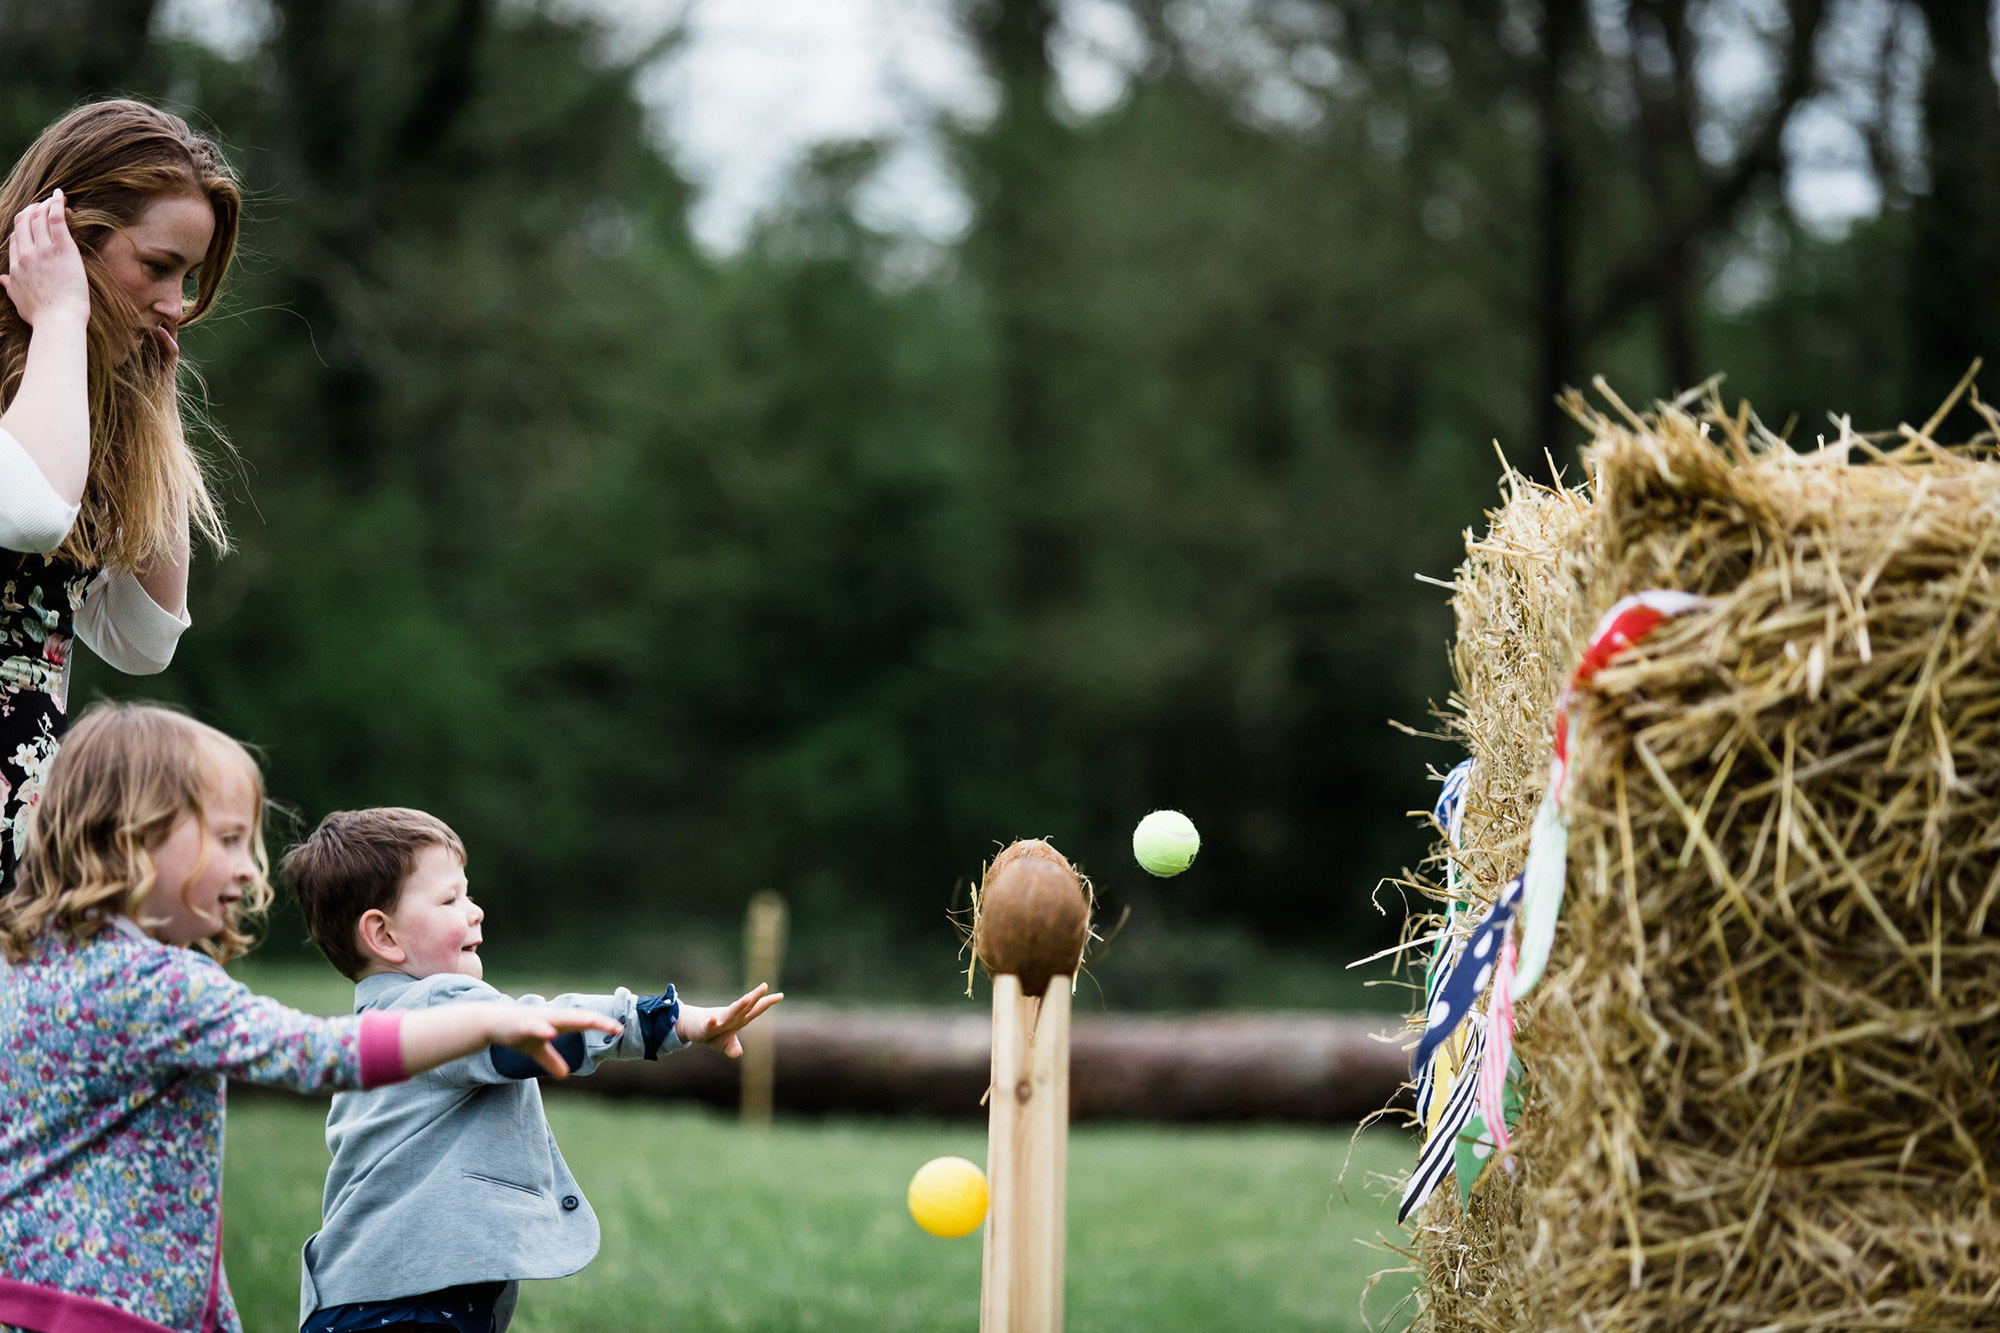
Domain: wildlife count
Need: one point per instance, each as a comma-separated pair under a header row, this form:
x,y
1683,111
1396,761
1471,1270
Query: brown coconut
x,y
1033,917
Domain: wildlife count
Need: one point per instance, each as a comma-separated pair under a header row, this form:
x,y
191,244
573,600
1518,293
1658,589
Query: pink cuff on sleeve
x,y
26,1306
382,1048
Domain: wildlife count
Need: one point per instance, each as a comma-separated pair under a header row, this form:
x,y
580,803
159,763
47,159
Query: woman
x,y
115,209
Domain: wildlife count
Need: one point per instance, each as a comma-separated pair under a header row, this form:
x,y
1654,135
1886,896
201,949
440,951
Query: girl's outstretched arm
x,y
50,414
175,1009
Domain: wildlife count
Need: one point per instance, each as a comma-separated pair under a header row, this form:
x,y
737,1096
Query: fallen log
x,y
1235,1066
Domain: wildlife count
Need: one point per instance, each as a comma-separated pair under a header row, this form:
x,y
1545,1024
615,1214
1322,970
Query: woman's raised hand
x,y
45,277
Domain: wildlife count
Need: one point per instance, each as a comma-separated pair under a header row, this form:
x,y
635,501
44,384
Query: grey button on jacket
x,y
452,1176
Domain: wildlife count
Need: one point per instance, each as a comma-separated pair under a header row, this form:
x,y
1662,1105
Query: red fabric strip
x,y
46,1310
1632,624
382,1048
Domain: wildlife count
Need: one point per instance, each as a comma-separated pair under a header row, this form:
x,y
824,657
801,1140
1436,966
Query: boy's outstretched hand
x,y
718,1027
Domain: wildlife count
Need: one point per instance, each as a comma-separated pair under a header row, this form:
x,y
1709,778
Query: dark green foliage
x,y
667,579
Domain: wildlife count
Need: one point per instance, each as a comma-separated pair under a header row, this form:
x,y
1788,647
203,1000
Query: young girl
x,y
103,223
116,1036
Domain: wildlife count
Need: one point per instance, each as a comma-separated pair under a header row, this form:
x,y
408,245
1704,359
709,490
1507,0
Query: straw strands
x,y
1763,1070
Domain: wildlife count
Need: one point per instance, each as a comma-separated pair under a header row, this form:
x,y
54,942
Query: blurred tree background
x,y
666,577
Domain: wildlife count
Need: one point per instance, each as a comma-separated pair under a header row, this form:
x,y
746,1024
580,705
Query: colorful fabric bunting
x,y
1438,1072
1629,620
1480,1091
1450,809
1436,1160
1468,976
1461,1144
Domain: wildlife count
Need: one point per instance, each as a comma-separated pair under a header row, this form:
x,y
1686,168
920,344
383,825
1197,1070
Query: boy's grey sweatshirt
x,y
453,1176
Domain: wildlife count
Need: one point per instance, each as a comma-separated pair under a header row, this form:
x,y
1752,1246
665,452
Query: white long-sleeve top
x,y
120,622
32,516
117,618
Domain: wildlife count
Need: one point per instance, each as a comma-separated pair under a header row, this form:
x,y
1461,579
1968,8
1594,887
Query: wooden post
x,y
763,954
1003,1119
1045,1163
1027,1152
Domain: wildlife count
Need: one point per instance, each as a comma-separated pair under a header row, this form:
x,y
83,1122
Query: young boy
x,y
447,1190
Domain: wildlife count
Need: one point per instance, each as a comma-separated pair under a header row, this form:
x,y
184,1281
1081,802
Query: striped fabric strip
x,y
1449,814
1450,810
1434,1163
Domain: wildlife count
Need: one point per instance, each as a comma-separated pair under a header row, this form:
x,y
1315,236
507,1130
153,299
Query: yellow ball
x,y
948,1197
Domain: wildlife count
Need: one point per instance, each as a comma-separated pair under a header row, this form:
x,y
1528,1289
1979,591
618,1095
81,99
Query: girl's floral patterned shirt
x,y
113,1054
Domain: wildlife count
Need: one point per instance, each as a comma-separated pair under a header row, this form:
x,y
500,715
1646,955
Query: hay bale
x,y
1523,615
1761,1069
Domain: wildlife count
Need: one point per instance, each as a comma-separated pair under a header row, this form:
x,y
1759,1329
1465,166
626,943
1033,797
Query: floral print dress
x,y
111,1120
39,597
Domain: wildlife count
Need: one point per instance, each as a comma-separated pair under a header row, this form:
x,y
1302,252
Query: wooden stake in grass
x,y
763,954
1031,920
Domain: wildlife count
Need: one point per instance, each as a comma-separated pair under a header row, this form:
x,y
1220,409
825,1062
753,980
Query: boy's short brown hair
x,y
355,863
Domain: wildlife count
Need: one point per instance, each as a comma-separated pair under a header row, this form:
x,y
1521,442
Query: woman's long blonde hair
x,y
111,159
125,776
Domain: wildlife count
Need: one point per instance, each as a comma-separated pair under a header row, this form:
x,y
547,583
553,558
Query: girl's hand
x,y
430,1037
45,277
530,1030
718,1027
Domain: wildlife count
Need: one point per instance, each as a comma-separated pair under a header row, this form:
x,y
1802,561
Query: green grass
x,y
711,1227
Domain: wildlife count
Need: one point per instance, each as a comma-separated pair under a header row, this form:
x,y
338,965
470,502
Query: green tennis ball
x,y
1165,842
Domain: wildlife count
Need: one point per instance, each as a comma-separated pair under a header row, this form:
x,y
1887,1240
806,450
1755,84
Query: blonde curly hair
x,y
125,776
